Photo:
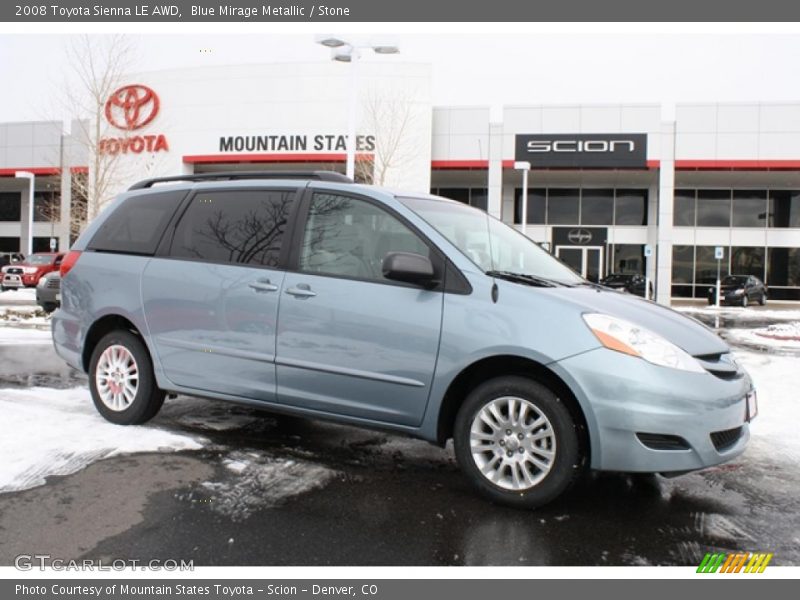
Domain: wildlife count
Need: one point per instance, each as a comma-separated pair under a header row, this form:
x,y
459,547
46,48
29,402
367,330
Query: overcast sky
x,y
468,69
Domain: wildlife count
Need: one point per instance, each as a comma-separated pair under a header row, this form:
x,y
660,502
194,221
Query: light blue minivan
x,y
307,294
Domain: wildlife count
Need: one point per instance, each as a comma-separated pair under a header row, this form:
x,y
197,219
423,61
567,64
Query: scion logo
x,y
132,107
580,236
583,150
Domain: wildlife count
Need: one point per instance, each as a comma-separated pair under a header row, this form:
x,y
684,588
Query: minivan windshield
x,y
491,244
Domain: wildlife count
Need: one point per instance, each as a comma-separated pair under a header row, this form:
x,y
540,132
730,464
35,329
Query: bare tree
x,y
98,65
388,115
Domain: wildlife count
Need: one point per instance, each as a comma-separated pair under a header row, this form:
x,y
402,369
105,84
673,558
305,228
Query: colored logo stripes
x,y
744,562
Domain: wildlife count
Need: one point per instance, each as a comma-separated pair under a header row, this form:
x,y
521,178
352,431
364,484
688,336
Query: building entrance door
x,y
587,261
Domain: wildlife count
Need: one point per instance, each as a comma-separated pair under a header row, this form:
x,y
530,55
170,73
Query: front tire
x,y
517,442
121,380
763,300
744,300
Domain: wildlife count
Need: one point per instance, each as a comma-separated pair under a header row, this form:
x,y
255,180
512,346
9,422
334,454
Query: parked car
x,y
10,258
399,311
28,272
633,283
739,289
48,291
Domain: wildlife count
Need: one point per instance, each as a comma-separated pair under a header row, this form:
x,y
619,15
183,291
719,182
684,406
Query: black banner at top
x,y
444,11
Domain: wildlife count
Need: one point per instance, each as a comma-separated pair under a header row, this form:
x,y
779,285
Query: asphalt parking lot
x,y
227,485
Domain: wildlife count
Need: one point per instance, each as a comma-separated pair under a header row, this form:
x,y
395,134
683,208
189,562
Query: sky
x,y
468,68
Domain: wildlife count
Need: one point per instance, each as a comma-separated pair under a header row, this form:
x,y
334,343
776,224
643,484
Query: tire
x,y
513,488
49,307
763,300
134,407
744,300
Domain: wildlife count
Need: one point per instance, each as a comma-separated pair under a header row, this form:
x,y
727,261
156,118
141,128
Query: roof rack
x,y
231,175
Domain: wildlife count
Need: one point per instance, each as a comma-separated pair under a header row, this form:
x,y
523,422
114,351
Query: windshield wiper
x,y
524,278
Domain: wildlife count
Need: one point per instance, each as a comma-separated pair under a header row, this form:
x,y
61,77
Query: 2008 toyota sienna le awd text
x,y
311,295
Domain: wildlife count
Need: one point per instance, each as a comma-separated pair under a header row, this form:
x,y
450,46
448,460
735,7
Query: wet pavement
x,y
272,490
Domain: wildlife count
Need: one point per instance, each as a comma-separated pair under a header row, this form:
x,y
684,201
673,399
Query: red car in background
x,y
28,272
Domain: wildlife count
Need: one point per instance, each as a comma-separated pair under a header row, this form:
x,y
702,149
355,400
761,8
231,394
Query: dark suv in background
x,y
739,289
633,283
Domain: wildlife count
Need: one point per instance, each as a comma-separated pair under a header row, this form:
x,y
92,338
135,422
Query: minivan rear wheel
x,y
121,380
517,442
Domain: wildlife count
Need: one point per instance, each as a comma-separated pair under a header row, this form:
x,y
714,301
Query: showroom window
x,y
239,227
749,208
597,207
630,207
9,244
42,244
627,258
683,264
685,208
713,208
748,260
477,197
784,208
10,206
537,206
46,206
586,206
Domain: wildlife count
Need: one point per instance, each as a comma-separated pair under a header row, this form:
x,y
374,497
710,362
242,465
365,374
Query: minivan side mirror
x,y
409,268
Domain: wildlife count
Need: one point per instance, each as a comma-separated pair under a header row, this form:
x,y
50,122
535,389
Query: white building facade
x,y
612,188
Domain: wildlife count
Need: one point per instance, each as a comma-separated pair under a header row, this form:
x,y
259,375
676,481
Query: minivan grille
x,y
663,441
723,440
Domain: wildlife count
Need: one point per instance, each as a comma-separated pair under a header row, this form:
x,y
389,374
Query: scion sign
x,y
596,150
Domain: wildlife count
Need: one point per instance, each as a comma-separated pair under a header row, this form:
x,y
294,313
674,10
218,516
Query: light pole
x,y
344,51
524,166
31,181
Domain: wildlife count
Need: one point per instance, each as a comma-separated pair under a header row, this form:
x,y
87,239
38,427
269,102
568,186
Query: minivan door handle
x,y
263,285
301,290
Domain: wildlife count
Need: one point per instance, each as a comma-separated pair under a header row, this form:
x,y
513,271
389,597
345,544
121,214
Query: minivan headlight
x,y
623,336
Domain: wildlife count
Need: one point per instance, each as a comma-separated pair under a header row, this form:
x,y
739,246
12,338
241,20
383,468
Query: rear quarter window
x,y
136,225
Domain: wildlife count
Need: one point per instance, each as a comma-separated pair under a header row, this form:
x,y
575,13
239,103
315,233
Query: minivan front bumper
x,y
651,419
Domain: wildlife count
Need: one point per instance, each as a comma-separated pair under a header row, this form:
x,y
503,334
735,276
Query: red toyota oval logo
x,y
132,107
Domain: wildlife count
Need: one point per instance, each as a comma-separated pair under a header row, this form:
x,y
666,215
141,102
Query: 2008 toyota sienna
x,y
308,294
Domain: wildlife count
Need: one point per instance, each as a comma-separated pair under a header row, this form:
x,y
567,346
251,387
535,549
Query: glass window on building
x,y
705,265
630,207
713,208
684,208
460,194
783,268
46,206
477,197
748,260
597,207
10,206
9,244
749,208
537,206
784,208
682,264
42,244
563,206
628,259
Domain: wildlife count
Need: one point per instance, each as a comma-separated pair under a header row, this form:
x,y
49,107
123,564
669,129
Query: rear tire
x,y
744,300
121,380
533,464
763,300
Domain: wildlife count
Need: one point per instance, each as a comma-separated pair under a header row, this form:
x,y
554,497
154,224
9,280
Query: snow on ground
x,y
783,336
13,336
738,313
774,430
46,432
16,297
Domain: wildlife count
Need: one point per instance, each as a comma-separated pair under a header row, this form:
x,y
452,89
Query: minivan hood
x,y
688,334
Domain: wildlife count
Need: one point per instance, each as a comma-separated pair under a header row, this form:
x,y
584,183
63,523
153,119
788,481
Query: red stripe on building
x,y
738,165
35,170
270,158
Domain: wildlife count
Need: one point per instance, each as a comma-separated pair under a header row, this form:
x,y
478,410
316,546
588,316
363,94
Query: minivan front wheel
x,y
517,442
121,380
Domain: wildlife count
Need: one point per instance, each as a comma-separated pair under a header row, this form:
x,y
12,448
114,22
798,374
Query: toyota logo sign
x,y
132,107
580,236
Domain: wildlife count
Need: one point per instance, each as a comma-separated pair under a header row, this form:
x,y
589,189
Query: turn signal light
x,y
69,261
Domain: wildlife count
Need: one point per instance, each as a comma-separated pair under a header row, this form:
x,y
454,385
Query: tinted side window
x,y
136,225
351,237
239,227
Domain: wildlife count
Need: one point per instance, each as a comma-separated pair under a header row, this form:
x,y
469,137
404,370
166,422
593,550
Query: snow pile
x,y
780,336
18,297
260,481
45,432
14,336
774,430
742,314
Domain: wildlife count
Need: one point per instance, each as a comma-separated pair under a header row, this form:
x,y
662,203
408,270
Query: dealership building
x,y
612,188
